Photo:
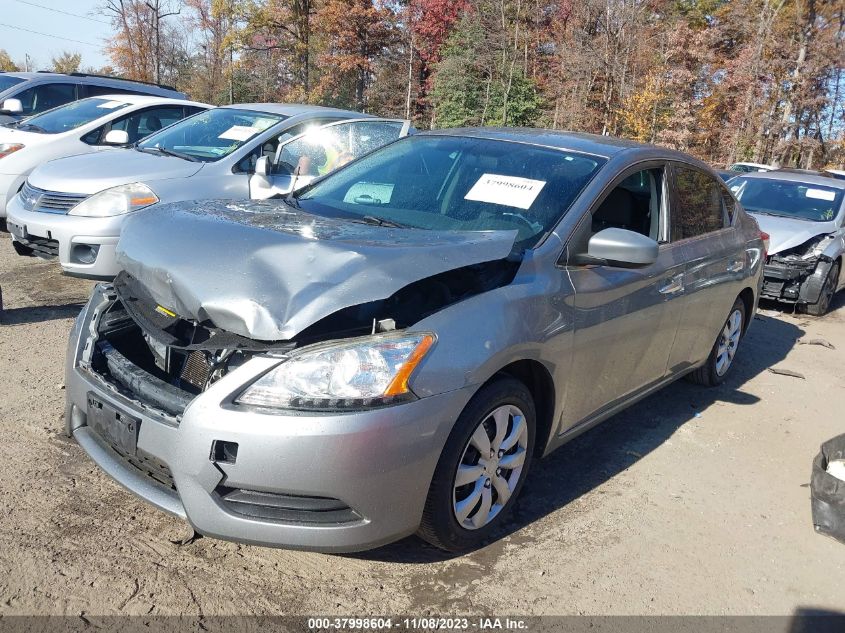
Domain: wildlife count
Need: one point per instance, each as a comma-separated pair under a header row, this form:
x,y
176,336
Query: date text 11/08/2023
x,y
417,623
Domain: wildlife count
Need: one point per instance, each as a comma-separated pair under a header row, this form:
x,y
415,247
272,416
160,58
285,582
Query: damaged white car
x,y
803,215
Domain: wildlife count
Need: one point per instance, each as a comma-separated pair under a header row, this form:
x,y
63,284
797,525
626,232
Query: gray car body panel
x,y
299,267
597,338
91,173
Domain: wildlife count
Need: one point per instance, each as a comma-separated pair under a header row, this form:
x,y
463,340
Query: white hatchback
x,y
81,127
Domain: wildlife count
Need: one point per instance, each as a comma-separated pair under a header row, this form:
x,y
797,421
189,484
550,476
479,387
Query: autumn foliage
x,y
726,80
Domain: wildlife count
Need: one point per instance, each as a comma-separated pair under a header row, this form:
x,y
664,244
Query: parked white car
x,y
81,127
747,168
74,208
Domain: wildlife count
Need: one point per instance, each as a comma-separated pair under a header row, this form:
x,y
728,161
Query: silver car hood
x,y
266,271
786,233
90,173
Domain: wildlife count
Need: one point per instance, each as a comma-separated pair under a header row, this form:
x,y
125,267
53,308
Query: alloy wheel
x,y
490,468
728,342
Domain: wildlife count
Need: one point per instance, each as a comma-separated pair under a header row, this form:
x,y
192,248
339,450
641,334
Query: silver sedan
x,y
388,351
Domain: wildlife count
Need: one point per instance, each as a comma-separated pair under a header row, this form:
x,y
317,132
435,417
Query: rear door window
x,y
700,204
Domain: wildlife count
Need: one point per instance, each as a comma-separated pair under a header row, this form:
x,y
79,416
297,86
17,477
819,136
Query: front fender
x,y
527,319
812,287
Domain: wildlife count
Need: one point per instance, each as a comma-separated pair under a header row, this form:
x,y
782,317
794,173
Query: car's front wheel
x,y
721,358
482,468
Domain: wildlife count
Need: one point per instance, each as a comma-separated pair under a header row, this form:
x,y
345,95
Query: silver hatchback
x,y
388,351
73,208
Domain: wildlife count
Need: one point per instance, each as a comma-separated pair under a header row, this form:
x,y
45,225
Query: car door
x,y
321,150
701,223
625,319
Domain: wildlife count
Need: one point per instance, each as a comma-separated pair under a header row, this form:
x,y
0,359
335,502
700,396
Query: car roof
x,y
606,146
791,176
96,80
295,109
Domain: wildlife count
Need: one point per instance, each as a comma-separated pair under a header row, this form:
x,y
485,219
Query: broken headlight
x,y
359,374
116,201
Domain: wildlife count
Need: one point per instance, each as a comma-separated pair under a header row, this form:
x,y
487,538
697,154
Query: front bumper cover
x,y
60,235
378,463
799,281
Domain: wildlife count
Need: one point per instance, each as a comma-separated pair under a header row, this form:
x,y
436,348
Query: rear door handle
x,y
673,285
736,266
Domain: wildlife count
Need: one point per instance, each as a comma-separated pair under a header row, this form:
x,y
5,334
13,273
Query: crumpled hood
x,y
91,173
266,271
786,233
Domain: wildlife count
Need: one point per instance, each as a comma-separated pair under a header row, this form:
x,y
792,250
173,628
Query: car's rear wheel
x,y
721,358
821,307
482,468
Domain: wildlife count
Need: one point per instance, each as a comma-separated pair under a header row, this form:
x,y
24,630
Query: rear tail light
x,y
765,237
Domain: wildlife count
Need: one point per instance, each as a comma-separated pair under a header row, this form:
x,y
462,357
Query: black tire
x,y
707,374
821,307
439,525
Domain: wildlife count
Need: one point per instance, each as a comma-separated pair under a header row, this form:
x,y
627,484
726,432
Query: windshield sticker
x,y
110,105
510,191
371,193
821,194
239,133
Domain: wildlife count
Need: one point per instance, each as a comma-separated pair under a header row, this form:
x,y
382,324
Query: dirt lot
x,y
693,502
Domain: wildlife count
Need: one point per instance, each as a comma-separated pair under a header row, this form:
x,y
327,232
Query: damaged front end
x,y
155,359
162,361
797,275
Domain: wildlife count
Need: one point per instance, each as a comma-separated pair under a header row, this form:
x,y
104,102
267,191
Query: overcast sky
x,y
89,28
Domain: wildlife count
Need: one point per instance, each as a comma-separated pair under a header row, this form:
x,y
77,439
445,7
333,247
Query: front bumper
x,y
9,184
70,238
797,282
378,463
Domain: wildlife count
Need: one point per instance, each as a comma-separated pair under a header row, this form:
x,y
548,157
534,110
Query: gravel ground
x,y
694,501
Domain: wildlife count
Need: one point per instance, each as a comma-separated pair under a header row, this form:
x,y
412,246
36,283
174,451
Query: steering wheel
x,y
532,225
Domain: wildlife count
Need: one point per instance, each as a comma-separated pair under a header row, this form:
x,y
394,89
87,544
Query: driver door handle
x,y
673,285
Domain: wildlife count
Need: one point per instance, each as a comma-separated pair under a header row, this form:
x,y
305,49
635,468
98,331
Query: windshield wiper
x,y
169,152
30,126
373,220
765,212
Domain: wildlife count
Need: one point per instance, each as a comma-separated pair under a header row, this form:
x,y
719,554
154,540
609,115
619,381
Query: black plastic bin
x,y
828,492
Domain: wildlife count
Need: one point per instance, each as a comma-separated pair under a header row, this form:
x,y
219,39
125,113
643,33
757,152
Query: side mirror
x,y
262,166
12,106
620,247
117,137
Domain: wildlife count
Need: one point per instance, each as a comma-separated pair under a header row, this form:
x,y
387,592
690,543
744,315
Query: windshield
x,y
799,200
457,184
70,116
210,135
8,82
